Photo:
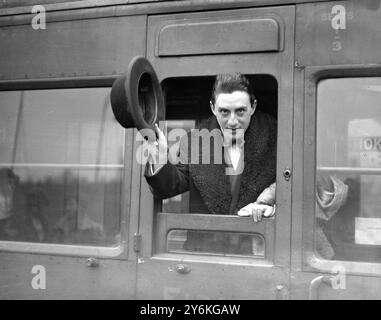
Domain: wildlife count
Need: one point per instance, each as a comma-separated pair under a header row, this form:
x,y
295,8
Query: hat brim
x,y
136,98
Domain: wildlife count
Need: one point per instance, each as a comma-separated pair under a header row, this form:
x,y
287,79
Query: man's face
x,y
233,111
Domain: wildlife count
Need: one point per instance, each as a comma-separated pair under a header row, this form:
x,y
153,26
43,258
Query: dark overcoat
x,y
209,185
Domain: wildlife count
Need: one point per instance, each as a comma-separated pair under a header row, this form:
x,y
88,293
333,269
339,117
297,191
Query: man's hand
x,y
267,196
264,206
162,140
160,146
257,211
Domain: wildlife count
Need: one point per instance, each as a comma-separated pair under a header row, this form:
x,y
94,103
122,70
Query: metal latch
x,y
287,174
92,262
182,268
281,292
137,242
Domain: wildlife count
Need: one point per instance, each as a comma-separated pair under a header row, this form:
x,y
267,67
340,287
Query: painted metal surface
x,y
66,278
224,36
204,281
96,47
339,32
150,6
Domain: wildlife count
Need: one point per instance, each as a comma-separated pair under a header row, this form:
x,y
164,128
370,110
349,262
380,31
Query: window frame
x,y
120,250
166,222
163,222
310,260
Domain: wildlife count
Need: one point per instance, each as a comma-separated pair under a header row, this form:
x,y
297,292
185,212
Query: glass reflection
x,y
348,209
216,242
61,163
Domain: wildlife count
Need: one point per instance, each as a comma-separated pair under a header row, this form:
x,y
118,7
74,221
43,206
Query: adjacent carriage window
x,y
348,177
61,163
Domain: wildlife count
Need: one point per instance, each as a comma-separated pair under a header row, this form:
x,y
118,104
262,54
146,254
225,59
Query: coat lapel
x,y
210,179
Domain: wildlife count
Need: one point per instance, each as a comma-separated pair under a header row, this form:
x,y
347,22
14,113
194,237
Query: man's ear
x,y
254,106
212,107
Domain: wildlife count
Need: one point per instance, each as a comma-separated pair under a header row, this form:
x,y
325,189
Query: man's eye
x,y
240,112
224,112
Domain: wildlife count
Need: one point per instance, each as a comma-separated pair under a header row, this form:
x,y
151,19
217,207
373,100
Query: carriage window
x,y
216,242
61,163
348,177
187,107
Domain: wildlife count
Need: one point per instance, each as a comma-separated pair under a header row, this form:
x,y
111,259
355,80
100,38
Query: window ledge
x,y
239,260
350,267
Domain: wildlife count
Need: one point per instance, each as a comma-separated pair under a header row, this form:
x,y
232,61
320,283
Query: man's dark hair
x,y
228,83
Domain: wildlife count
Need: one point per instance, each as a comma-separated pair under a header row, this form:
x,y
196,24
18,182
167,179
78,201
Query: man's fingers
x,y
267,196
257,214
258,211
246,211
160,133
270,211
162,140
151,143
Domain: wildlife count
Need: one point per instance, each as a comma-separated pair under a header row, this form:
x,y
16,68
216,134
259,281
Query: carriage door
x,y
187,51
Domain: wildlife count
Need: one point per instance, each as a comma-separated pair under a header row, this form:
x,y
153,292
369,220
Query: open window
x,y
61,167
187,106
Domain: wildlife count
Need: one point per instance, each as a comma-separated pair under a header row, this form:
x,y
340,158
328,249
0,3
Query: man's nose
x,y
233,121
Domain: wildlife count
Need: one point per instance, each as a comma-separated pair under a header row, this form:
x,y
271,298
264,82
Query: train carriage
x,y
78,219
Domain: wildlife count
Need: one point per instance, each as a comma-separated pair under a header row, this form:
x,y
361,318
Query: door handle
x,y
92,263
182,268
315,284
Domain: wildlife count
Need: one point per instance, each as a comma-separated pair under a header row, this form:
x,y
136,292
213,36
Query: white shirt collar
x,y
234,154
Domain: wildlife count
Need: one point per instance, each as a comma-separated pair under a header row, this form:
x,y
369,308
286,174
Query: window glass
x,y
348,177
216,242
179,203
61,163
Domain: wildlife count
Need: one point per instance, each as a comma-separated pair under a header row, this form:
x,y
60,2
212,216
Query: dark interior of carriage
x,y
188,98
